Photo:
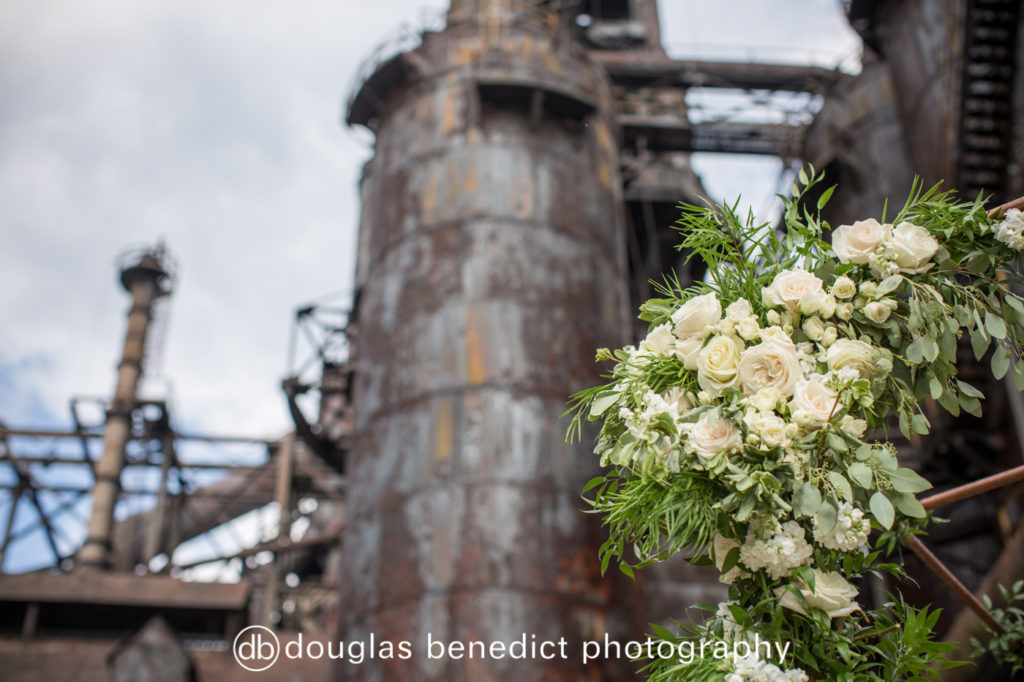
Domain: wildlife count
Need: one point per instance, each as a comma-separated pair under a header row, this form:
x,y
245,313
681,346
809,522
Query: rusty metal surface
x,y
491,265
93,587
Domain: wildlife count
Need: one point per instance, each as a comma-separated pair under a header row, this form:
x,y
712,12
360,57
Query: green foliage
x,y
1005,646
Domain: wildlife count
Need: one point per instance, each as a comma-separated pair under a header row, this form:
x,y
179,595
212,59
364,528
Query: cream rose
x,y
796,290
813,404
709,440
832,594
770,427
693,316
814,328
877,311
854,243
659,341
718,364
687,349
844,288
913,248
772,365
850,354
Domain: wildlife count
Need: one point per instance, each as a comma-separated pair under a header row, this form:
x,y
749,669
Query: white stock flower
x,y
693,316
1010,230
717,364
848,353
708,440
844,287
832,594
854,243
813,404
849,532
752,668
771,365
795,289
787,548
913,247
877,311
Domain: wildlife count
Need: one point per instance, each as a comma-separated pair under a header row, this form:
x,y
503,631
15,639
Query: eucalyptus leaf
x,y
826,517
908,481
841,485
881,509
1000,362
995,325
911,506
860,474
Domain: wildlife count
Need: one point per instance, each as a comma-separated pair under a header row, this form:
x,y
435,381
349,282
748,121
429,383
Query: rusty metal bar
x,y
975,488
282,494
278,546
958,588
999,210
60,433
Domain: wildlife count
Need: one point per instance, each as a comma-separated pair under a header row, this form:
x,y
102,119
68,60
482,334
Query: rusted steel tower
x,y
147,277
480,305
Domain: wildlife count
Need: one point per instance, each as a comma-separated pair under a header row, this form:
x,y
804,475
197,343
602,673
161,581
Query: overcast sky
x,y
215,125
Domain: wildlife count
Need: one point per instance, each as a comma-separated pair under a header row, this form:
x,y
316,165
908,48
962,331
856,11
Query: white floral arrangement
x,y
748,429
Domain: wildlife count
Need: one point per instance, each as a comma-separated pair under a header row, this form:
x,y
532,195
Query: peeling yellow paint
x,y
443,430
448,118
428,195
604,176
476,351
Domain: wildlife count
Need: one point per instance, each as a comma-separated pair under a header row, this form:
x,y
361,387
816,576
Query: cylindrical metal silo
x,y
490,267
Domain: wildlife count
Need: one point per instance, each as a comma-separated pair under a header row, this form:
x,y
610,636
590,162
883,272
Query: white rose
x,y
765,400
853,243
877,311
813,404
828,308
795,289
677,397
660,341
844,288
830,336
814,328
687,349
844,311
739,309
696,314
850,354
832,594
748,329
853,426
772,365
913,247
709,440
868,288
718,363
769,426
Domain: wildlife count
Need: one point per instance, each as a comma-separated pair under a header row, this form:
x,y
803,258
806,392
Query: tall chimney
x,y
146,277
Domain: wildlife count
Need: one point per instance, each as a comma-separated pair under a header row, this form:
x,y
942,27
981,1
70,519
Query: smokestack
x,y
490,265
146,277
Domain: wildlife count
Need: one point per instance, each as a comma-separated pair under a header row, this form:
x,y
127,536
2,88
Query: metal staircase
x,y
990,53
